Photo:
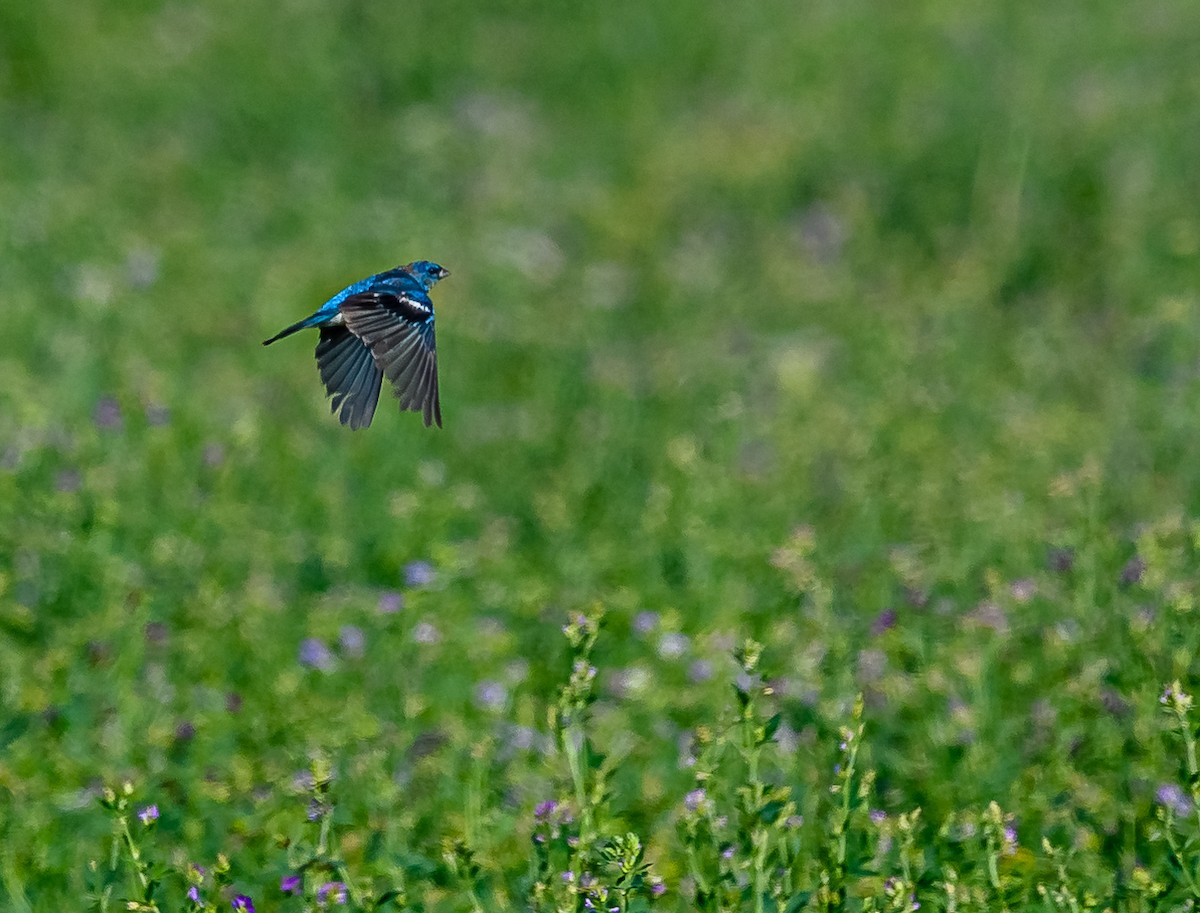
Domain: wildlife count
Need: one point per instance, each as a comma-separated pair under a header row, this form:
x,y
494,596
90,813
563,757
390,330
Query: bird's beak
x,y
443,272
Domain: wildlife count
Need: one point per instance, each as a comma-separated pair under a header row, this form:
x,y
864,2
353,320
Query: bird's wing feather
x,y
351,376
398,329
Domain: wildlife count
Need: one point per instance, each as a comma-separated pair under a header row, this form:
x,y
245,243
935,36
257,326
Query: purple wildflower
x,y
693,800
426,633
148,815
1010,840
1133,570
390,602
727,853
1171,796
544,810
352,640
878,816
157,416
673,645
334,890
568,877
193,894
645,622
1023,590
885,622
658,889
243,904
1061,560
291,884
419,573
315,655
700,671
491,696
107,414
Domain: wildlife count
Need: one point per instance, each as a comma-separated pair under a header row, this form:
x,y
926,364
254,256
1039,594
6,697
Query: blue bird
x,y
379,326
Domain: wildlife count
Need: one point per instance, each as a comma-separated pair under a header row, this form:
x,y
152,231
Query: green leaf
x,y
772,727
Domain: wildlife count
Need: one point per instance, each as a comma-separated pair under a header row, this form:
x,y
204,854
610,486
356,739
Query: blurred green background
x,y
764,319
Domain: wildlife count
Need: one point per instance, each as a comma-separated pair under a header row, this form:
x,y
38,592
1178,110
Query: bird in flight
x,y
379,326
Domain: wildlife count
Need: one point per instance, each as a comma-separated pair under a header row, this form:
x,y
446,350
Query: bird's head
x,y
427,273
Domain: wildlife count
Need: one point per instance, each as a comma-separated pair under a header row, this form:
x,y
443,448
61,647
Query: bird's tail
x,y
295,327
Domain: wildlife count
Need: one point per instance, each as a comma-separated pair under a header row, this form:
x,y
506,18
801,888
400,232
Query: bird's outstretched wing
x,y
398,329
350,374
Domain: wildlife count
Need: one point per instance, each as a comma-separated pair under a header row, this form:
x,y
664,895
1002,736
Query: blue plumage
x,y
376,327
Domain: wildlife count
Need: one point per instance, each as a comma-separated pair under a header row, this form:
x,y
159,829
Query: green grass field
x,y
863,330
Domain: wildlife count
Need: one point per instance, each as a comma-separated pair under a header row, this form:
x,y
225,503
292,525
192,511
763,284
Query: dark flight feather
x,y
398,329
350,374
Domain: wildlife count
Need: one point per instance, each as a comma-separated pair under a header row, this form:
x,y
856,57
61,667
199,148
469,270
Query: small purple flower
x,y
727,853
107,414
353,640
1173,695
157,416
291,884
334,890
544,810
419,573
693,800
878,816
315,655
645,622
193,894
568,877
491,696
425,633
148,815
658,889
885,622
700,671
1172,797
243,904
673,645
390,602
1023,590
1061,560
1010,841
1133,570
